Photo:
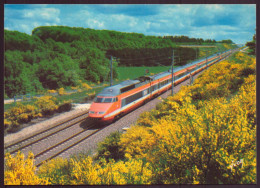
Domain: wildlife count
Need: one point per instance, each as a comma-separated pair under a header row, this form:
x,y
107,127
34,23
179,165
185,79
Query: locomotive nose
x,y
99,108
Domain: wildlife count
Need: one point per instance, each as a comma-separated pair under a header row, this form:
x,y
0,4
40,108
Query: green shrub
x,y
65,107
109,148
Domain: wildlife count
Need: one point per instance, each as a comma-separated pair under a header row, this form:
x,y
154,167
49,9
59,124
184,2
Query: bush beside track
x,y
201,135
44,106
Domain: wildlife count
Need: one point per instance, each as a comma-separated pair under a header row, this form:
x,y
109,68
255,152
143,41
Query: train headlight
x,y
91,112
101,112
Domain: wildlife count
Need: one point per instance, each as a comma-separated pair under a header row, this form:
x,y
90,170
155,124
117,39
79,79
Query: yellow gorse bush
x,y
137,142
87,172
61,91
198,142
52,91
21,114
84,172
21,171
47,104
55,171
86,86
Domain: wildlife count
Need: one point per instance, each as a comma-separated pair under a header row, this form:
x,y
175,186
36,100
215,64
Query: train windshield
x,y
104,100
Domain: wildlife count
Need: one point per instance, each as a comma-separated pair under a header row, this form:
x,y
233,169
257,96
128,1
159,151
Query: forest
x,y
58,56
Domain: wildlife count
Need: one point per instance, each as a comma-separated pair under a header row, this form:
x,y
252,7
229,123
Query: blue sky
x,y
216,21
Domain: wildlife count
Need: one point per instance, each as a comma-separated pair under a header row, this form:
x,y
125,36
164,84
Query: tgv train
x,y
117,100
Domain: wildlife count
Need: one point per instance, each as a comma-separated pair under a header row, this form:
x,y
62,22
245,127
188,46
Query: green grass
x,y
125,73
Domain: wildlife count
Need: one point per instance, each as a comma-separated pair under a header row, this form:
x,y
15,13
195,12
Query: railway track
x,y
38,136
50,143
63,146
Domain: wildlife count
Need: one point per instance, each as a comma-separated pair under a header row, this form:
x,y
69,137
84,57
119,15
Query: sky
x,y
209,21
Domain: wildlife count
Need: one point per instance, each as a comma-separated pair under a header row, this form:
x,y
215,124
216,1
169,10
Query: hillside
x,y
58,56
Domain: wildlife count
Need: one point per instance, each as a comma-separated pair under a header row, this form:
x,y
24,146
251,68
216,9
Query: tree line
x,y
60,56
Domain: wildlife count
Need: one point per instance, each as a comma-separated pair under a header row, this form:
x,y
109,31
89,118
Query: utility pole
x,y
172,69
191,78
111,71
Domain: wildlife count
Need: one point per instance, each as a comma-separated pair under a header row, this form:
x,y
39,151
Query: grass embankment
x,y
204,134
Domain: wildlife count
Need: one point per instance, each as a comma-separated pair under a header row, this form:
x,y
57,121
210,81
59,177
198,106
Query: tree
x,y
252,45
19,76
61,71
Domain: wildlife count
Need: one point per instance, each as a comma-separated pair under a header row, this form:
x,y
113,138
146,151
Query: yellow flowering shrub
x,y
200,145
74,88
85,86
137,141
128,172
52,91
84,172
21,171
7,123
47,104
223,78
56,171
145,119
21,114
61,91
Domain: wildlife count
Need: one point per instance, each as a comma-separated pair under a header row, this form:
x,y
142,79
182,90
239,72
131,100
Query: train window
x,y
133,97
108,100
125,89
154,87
123,103
104,100
98,99
115,99
145,92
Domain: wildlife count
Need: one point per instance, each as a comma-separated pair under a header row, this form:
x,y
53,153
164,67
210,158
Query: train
x,y
115,101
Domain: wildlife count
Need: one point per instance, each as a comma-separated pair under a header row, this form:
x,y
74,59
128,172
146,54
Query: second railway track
x,y
39,136
61,147
54,141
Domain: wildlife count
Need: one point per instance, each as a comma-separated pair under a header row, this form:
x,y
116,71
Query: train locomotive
x,y
115,101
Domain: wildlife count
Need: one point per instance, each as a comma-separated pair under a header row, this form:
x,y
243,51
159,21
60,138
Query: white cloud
x,y
95,24
25,20
50,14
